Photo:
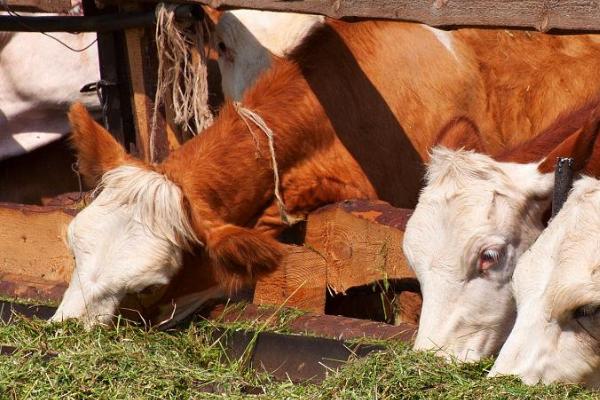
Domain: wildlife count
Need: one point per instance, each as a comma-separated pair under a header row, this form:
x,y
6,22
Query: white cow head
x,y
129,238
556,285
247,39
474,218
133,234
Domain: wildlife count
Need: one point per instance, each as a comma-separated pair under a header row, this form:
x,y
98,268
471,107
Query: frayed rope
x,y
257,120
181,78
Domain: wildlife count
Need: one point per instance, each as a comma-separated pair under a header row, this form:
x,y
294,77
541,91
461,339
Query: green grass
x,y
129,363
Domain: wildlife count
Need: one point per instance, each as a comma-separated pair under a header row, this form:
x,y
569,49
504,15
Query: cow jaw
x,y
474,219
128,239
557,290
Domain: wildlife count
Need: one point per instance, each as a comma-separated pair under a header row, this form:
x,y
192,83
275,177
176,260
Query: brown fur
x,y
462,133
97,150
355,111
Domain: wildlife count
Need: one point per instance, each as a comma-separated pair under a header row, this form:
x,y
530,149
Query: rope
x,y
180,79
246,115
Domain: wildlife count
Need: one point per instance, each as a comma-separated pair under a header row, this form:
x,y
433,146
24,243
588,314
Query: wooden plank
x,y
299,282
361,242
33,255
143,70
52,6
541,15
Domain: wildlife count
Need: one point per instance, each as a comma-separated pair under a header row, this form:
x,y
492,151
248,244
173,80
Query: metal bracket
x,y
563,181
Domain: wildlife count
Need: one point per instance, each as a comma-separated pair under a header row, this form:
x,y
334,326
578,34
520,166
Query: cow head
x,y
556,284
474,219
133,234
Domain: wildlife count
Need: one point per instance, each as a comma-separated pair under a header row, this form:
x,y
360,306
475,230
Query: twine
x,y
179,78
247,114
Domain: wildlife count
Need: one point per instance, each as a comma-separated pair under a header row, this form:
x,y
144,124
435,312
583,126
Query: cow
x,y
39,79
555,335
476,216
555,284
353,112
247,41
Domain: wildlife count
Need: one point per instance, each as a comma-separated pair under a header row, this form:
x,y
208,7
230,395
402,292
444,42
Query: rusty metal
x,y
330,326
8,310
37,291
291,357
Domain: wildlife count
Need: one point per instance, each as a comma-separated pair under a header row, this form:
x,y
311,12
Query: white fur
x,y
555,277
471,203
39,79
445,38
250,38
130,237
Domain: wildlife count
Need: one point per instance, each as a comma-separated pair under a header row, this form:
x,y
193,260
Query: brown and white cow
x,y
556,334
248,40
39,79
476,216
354,111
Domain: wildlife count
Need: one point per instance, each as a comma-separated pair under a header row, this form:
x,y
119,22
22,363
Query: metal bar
x,y
8,310
99,23
290,357
563,181
322,325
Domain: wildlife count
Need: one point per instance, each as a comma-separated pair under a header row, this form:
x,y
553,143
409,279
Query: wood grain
x,y
32,249
360,247
53,6
300,282
542,15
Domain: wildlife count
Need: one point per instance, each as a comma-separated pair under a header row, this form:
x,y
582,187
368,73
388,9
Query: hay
x,y
182,80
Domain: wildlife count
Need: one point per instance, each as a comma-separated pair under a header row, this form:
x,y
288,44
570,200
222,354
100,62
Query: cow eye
x,y
489,258
222,47
587,311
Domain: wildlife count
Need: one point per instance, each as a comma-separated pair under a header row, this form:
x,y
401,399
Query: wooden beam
x,y
542,15
143,73
300,282
34,260
52,6
361,242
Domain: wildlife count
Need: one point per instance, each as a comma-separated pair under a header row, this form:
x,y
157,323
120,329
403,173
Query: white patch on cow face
x,y
474,219
247,39
128,239
556,283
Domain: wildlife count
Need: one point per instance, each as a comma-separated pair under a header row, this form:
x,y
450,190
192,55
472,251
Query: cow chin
x,y
465,328
74,306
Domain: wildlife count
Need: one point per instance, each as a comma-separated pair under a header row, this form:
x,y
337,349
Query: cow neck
x,y
225,172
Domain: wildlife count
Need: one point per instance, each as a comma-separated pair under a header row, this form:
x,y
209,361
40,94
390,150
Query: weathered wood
x,y
361,242
541,15
300,282
33,254
52,6
347,245
143,70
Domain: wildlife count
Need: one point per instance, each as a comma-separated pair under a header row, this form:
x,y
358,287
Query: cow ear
x,y
97,151
578,145
461,133
241,255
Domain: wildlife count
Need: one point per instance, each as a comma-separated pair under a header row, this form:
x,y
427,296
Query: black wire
x,y
19,18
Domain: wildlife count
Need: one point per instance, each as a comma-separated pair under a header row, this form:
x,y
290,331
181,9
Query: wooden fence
x,y
543,15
